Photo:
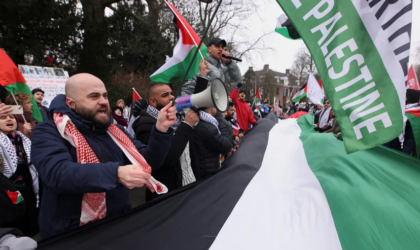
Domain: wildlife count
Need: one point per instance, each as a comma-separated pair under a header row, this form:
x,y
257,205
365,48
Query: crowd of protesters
x,y
77,166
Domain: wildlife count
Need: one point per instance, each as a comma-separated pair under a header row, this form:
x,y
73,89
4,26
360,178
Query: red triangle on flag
x,y
188,34
136,96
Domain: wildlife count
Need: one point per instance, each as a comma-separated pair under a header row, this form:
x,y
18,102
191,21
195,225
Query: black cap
x,y
216,41
37,90
242,91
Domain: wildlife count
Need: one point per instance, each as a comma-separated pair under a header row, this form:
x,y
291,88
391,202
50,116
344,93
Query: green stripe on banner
x,y
363,96
176,73
372,194
23,87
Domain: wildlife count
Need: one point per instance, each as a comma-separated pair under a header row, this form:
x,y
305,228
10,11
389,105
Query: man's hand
x,y
236,138
27,128
166,118
132,176
204,67
5,109
255,124
225,60
191,118
241,135
316,125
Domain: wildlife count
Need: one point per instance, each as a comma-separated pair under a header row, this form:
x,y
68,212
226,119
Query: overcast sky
x,y
284,51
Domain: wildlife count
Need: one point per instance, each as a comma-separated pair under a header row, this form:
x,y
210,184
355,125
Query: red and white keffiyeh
x,y
94,204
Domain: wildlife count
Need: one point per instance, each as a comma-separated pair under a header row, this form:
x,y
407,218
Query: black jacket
x,y
45,113
225,128
409,146
209,145
170,173
65,180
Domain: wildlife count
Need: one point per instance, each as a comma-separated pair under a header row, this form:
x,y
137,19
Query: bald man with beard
x,y
78,187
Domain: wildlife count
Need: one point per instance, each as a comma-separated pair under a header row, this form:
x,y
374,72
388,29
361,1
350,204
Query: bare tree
x,y
303,66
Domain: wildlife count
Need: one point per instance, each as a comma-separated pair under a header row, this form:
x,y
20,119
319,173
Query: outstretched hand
x,y
167,117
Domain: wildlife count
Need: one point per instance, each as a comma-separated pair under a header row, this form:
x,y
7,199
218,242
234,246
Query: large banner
x,y
361,50
50,80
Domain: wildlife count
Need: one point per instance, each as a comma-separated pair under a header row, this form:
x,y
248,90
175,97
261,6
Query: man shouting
x,y
86,163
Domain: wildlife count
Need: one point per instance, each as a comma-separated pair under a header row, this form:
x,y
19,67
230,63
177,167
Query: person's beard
x,y
159,106
90,115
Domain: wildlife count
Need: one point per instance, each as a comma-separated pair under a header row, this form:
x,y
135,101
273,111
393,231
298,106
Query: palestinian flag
x,y
300,94
412,81
413,115
257,96
174,69
12,80
314,90
15,196
136,96
368,98
285,28
287,187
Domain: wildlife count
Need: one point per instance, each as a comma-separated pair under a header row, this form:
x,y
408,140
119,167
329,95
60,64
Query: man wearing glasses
x,y
326,118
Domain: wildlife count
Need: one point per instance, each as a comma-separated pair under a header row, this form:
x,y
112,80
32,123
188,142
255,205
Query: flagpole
x,y
14,98
198,48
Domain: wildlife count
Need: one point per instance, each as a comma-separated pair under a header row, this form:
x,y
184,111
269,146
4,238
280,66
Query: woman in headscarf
x,y
118,117
15,148
25,101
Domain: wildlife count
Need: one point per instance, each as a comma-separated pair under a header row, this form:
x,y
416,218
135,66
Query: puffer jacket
x,y
209,145
228,74
225,128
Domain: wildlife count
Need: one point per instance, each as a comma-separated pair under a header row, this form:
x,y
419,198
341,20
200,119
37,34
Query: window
x,y
262,78
277,91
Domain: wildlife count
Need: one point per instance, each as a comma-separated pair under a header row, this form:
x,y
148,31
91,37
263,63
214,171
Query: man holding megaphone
x,y
220,67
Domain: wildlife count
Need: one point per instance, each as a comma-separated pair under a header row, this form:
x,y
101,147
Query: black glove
x,y
255,124
239,85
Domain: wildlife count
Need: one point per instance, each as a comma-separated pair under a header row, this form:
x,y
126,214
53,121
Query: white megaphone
x,y
214,96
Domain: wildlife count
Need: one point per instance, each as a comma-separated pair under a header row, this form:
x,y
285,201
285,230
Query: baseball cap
x,y
37,90
216,41
242,91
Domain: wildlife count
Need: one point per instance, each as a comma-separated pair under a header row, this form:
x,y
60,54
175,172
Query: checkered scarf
x,y
11,161
94,204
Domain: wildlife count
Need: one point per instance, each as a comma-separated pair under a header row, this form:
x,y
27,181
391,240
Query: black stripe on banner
x,y
188,219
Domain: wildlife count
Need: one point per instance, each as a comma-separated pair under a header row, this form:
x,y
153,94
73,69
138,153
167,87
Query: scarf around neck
x,y
153,112
10,160
94,204
205,117
324,117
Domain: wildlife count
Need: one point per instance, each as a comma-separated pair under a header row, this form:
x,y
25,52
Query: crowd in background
x,y
77,165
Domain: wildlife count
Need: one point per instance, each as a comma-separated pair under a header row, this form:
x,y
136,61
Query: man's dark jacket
x,y
170,173
45,113
209,144
65,181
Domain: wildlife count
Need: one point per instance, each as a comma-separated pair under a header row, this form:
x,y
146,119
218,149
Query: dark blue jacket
x,y
65,181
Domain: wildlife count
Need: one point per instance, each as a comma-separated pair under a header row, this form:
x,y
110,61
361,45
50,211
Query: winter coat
x,y
170,173
45,113
210,144
65,180
244,113
225,128
228,74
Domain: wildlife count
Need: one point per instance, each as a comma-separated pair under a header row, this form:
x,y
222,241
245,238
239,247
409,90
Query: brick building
x,y
284,85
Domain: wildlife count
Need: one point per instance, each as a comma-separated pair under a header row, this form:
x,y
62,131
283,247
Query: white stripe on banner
x,y
284,206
